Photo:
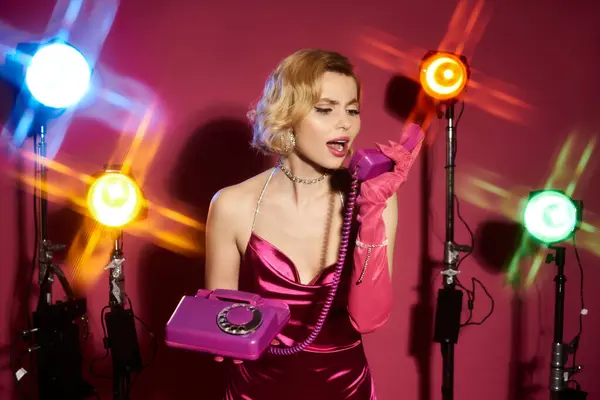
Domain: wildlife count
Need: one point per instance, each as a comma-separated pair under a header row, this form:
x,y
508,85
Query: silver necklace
x,y
294,178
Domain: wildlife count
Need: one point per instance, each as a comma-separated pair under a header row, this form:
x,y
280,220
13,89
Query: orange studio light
x,y
114,199
443,75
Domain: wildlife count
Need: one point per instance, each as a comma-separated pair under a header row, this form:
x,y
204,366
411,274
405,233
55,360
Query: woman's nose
x,y
344,123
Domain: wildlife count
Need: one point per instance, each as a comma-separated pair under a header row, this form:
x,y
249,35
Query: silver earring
x,y
288,141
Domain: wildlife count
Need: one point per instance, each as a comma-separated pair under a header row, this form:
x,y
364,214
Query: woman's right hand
x,y
275,342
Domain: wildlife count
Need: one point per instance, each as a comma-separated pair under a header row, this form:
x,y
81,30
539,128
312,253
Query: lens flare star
x,y
485,190
465,30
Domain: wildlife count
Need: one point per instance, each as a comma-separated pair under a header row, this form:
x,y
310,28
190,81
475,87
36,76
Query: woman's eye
x,y
353,112
323,110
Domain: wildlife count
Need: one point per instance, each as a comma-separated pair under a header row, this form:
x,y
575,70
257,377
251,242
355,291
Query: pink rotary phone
x,y
228,323
242,325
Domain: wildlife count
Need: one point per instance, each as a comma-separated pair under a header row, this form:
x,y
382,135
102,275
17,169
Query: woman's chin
x,y
333,164
328,162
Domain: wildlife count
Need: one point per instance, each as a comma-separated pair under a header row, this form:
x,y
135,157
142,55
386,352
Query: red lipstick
x,y
339,146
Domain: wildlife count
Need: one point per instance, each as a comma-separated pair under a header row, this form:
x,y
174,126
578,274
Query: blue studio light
x,y
58,75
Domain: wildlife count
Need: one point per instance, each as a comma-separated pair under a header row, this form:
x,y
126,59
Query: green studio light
x,y
551,216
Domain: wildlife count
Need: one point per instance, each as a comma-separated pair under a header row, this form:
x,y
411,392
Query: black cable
x,y
578,336
153,337
155,347
150,333
106,346
460,113
470,293
471,302
577,385
467,254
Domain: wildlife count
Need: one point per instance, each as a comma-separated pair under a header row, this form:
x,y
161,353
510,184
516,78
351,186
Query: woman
x,y
278,234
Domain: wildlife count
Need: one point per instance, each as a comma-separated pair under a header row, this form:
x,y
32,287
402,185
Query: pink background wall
x,y
207,62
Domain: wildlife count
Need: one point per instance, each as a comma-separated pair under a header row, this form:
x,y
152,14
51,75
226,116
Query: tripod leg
x,y
121,384
448,371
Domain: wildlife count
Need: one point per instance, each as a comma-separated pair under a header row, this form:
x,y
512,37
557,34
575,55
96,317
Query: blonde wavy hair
x,y
290,93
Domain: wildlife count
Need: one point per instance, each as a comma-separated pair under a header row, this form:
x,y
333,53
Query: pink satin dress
x,y
334,367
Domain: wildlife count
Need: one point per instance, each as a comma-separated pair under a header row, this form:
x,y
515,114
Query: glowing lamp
x,y
550,216
58,75
114,199
444,76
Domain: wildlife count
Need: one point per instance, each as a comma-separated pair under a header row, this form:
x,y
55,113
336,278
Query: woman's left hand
x,y
378,190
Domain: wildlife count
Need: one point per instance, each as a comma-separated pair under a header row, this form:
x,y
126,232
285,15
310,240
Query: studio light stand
x,y
46,267
121,336
559,374
449,300
36,70
55,333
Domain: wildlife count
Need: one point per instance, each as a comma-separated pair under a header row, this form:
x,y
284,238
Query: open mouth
x,y
338,145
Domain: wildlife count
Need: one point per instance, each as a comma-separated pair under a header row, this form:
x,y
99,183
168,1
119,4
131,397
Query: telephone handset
x,y
372,162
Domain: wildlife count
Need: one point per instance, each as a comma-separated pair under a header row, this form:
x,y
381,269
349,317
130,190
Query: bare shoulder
x,y
228,227
236,199
234,205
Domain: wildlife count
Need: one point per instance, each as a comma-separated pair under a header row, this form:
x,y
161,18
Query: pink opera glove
x,y
370,297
